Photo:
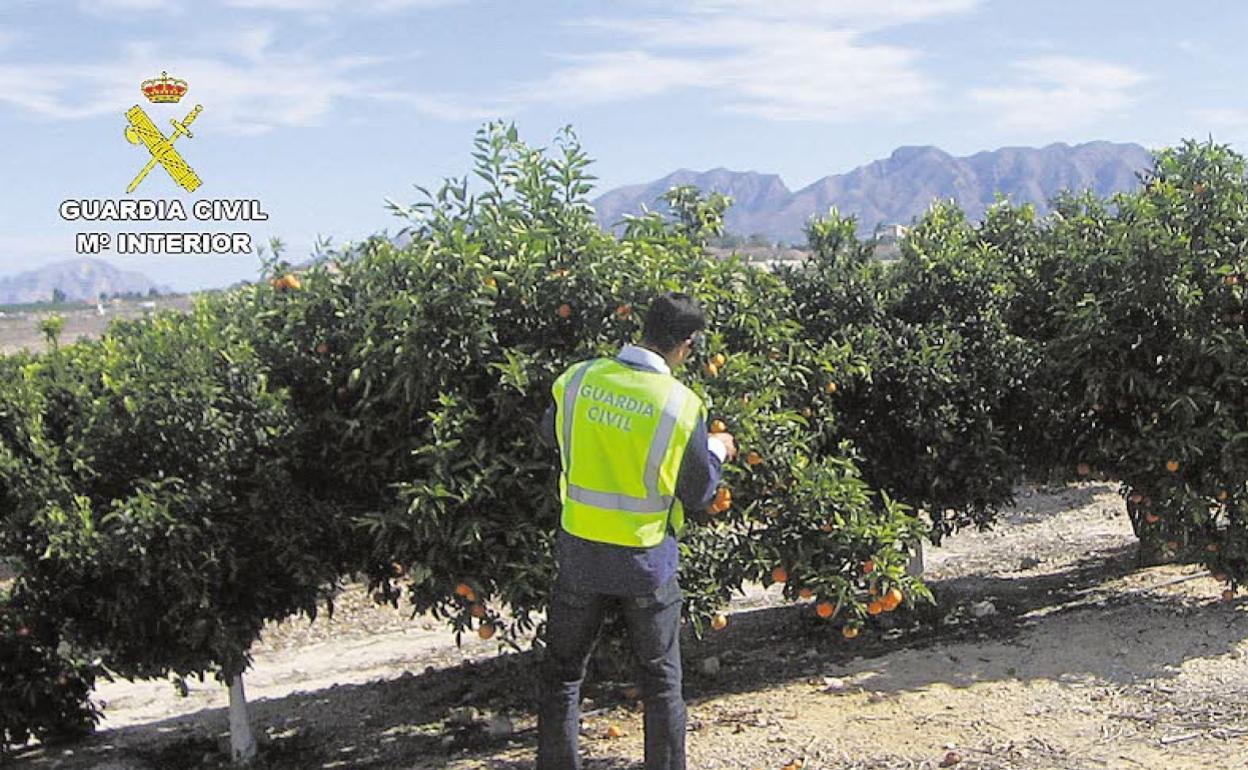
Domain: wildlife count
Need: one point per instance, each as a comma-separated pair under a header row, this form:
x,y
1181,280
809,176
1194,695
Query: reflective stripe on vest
x,y
618,500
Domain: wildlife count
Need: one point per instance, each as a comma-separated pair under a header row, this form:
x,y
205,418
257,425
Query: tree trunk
x,y
242,743
915,567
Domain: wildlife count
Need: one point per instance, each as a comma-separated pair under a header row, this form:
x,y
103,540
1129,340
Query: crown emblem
x,y
164,89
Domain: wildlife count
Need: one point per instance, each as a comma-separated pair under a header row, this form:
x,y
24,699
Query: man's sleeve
x,y
546,429
699,471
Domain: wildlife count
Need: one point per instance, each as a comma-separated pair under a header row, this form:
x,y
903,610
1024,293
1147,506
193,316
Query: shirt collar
x,y
639,356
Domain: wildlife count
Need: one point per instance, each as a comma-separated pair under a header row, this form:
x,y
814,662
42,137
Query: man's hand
x,y
728,442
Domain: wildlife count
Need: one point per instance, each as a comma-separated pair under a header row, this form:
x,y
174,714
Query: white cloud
x,y
258,89
1060,92
326,6
100,7
775,59
858,13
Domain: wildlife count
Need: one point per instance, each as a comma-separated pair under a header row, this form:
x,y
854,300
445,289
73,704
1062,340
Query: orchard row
x,y
171,487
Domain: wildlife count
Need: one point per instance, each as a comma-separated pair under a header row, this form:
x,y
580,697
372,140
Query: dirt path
x,y
1049,650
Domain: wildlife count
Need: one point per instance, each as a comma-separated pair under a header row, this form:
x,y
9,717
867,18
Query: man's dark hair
x,y
672,319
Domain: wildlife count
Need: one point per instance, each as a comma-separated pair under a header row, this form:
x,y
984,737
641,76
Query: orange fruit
x,y
719,359
288,281
825,610
565,311
711,369
614,731
849,632
1136,497
1231,280
486,630
477,610
490,281
805,593
718,426
830,388
827,527
892,599
1083,469
465,591
1152,518
322,349
753,458
779,575
868,567
1172,466
875,607
624,311
719,622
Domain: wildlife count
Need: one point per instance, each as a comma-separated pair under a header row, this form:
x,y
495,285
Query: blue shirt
x,y
590,567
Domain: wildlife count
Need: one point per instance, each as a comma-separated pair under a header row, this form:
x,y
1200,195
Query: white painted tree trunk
x,y
242,743
915,567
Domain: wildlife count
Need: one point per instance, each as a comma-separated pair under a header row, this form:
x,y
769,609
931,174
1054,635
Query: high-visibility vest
x,y
622,433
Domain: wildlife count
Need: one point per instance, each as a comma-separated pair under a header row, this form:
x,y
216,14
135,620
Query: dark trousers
x,y
572,626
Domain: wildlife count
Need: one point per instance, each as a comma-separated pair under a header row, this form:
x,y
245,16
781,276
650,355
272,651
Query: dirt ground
x,y
21,330
1049,650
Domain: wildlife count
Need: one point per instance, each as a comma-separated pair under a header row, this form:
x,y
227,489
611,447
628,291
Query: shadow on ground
x,y
401,723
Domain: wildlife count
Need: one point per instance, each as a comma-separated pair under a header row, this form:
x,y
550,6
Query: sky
x,y
324,109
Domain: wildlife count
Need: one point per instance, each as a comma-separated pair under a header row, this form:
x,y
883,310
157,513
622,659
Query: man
x,y
635,455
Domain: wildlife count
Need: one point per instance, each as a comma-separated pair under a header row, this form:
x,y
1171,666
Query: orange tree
x,y
149,507
1151,352
420,365
45,690
936,412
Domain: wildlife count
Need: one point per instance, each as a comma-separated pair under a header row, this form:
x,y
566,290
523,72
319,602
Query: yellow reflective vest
x,y
622,433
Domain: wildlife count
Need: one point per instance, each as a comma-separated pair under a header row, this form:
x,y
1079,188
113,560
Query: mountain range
x,y
79,279
899,188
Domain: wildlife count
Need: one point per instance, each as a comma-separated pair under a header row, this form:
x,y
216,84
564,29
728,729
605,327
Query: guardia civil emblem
x,y
141,130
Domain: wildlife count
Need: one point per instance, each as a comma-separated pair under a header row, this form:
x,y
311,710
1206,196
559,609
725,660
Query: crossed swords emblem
x,y
143,130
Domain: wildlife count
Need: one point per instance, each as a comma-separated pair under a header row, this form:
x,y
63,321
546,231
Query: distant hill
x,y
899,188
80,279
